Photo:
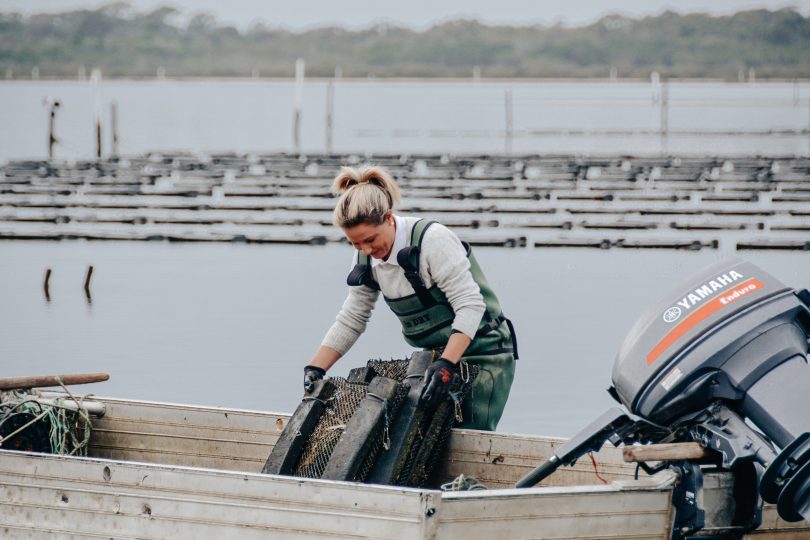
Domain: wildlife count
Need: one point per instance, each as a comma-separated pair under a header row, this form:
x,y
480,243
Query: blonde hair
x,y
367,195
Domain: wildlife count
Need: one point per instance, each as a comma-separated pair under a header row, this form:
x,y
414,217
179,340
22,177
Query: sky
x,y
417,14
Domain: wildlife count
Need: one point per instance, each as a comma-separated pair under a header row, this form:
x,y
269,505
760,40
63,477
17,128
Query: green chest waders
x,y
427,317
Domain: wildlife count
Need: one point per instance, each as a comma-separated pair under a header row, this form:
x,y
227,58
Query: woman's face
x,y
373,240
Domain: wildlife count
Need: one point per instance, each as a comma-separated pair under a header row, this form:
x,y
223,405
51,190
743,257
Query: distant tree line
x,y
124,43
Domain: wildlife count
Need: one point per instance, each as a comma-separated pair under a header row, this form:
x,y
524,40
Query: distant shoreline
x,y
746,46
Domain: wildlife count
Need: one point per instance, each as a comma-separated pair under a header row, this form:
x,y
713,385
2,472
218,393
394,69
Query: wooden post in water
x,y
46,285
655,82
795,92
96,79
299,91
114,127
52,105
330,111
665,118
508,106
87,284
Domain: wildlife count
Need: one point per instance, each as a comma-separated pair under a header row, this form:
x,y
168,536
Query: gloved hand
x,y
439,378
312,374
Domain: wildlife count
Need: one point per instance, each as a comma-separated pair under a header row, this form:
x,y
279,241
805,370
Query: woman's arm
x,y
349,324
448,267
351,320
324,358
455,347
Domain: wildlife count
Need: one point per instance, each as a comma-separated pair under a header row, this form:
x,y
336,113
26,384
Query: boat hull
x,y
173,471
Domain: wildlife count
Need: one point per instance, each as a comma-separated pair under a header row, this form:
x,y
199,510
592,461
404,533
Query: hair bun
x,y
346,178
372,176
364,204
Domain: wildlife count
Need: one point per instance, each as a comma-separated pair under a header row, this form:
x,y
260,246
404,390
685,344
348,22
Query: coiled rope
x,y
69,426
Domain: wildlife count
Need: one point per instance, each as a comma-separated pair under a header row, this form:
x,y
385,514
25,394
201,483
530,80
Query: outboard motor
x,y
721,361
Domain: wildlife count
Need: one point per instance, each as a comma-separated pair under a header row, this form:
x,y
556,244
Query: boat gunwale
x,y
615,486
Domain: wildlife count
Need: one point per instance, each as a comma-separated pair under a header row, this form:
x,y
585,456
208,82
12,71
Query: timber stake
x,y
46,285
40,381
87,282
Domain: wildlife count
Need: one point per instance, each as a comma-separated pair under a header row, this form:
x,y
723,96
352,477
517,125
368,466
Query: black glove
x,y
439,378
312,374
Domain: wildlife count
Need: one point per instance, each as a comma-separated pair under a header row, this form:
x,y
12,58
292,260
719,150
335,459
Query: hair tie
x,y
374,181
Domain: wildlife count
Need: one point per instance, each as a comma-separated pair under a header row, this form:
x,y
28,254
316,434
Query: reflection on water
x,y
233,325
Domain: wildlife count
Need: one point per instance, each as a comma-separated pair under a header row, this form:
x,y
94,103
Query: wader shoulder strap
x,y
408,259
361,273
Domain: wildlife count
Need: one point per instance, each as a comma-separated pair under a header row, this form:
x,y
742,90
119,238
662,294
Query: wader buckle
x,y
361,275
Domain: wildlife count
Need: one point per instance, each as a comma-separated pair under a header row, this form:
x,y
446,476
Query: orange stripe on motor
x,y
707,310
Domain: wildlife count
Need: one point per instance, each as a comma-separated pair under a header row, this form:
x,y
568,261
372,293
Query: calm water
x,y
419,116
232,325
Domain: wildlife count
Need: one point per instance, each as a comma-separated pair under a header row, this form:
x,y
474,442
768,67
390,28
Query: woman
x,y
432,283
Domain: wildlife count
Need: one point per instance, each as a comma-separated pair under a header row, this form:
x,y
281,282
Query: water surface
x,y
233,324
572,117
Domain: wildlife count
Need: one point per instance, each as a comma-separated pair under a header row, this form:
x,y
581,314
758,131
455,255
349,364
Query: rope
x,y
62,414
463,483
65,422
464,371
15,406
324,402
21,428
596,468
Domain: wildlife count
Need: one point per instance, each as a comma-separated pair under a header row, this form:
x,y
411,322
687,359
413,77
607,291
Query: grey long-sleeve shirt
x,y
442,261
